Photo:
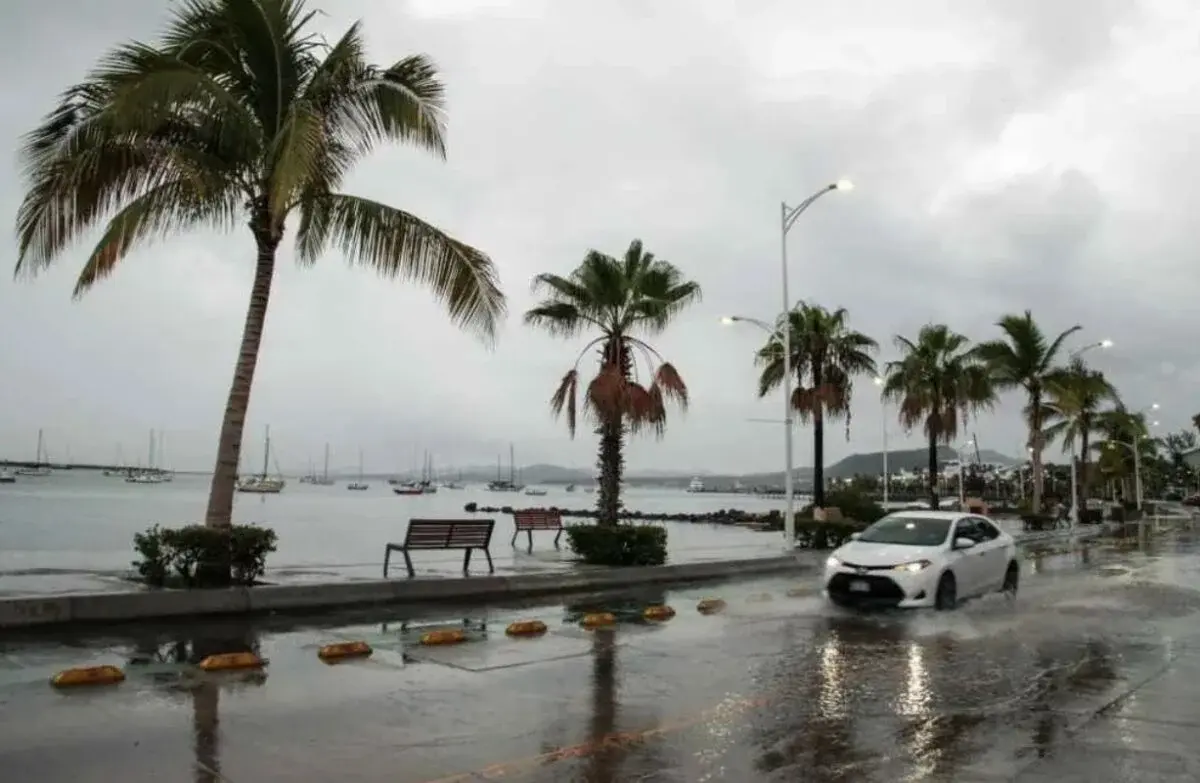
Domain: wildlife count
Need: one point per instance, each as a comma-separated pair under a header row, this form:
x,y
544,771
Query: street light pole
x,y
1077,459
788,217
887,479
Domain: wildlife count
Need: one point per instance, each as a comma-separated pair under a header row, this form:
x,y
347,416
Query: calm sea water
x,y
77,521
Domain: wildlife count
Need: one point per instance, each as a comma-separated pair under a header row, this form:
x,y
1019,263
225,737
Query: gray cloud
x,y
1007,156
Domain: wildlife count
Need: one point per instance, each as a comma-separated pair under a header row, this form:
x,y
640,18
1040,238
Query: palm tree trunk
x,y
603,760
1037,443
933,472
206,707
1084,494
229,447
818,441
612,464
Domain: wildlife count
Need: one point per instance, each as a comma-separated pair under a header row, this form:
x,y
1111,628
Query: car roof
x,y
931,514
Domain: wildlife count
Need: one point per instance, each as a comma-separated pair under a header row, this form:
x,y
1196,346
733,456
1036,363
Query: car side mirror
x,y
963,543
855,536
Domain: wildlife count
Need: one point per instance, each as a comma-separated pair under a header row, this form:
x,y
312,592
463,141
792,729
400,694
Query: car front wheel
x,y
947,593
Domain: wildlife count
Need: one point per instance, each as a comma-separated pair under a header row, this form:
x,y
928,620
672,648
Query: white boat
x,y
322,480
144,477
39,469
7,477
263,484
535,491
695,485
360,485
506,485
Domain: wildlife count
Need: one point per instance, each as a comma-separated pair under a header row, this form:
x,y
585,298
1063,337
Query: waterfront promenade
x,y
1088,676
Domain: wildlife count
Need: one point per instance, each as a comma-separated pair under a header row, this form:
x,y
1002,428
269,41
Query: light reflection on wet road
x,y
1091,675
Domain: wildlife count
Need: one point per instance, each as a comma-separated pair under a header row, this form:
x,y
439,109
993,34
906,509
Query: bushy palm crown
x,y
1024,358
242,112
618,298
1075,398
822,346
937,379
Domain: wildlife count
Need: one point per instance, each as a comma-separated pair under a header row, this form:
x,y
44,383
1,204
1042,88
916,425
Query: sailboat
x,y
150,475
501,485
426,483
40,468
323,480
263,484
360,484
456,484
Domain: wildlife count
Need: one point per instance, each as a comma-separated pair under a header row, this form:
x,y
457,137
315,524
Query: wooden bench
x,y
465,534
530,520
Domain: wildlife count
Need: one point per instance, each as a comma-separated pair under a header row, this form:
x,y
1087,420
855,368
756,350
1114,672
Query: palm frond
x,y
395,243
564,399
670,385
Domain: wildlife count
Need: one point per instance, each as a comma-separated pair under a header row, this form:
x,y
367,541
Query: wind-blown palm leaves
x,y
1025,359
1075,400
1125,434
937,380
242,113
826,355
619,298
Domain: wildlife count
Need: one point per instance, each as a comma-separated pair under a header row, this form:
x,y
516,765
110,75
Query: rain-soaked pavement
x,y
1092,674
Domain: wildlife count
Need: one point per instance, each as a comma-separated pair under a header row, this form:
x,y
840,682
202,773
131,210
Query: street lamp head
x,y
843,184
1106,343
1154,407
728,319
1154,424
878,381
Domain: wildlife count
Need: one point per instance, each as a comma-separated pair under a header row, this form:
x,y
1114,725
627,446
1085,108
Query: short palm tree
x,y
242,113
1124,433
1074,401
1025,359
620,298
826,356
937,379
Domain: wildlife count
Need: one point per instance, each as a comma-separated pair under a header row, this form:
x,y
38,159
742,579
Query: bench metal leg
x,y
530,534
514,538
408,563
488,555
467,562
387,558
558,536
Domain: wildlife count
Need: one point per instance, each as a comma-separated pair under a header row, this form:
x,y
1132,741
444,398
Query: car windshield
x,y
911,531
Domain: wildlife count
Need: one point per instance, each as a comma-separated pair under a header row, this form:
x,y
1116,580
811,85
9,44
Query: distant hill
x,y
908,459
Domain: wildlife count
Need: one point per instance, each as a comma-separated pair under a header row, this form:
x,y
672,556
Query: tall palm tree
x,y
619,298
1075,399
1025,359
243,113
937,379
1123,432
826,356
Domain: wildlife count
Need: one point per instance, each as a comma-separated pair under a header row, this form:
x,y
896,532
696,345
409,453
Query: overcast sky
x,y
1007,155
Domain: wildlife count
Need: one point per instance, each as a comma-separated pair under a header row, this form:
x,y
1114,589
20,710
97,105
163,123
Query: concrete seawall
x,y
115,607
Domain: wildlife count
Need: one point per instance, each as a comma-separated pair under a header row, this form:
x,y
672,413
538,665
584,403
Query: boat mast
x,y
37,459
150,452
267,451
512,466
325,476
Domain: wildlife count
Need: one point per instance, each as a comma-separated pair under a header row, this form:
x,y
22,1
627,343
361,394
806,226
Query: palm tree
x,y
1075,398
826,356
1025,359
242,112
937,379
1122,433
619,298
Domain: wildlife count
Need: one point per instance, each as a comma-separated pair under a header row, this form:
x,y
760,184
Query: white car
x,y
923,558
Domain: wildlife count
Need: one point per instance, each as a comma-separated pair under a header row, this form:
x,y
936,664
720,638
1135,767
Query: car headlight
x,y
832,562
913,567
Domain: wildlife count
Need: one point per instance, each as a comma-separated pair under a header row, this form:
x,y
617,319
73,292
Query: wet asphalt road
x,y
1092,674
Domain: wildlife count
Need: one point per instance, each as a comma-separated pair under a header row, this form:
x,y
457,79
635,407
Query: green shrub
x,y
619,545
811,534
1036,523
854,505
202,556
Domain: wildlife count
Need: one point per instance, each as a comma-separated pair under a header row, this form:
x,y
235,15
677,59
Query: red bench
x,y
530,520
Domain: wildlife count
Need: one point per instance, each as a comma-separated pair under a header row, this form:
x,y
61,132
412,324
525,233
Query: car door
x,y
969,566
992,548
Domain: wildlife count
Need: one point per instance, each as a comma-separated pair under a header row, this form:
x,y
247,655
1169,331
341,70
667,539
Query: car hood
x,y
867,554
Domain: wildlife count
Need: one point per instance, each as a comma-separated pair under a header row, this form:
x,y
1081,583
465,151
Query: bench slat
x,y
449,533
537,520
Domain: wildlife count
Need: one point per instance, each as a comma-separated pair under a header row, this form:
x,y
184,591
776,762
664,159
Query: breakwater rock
x,y
725,516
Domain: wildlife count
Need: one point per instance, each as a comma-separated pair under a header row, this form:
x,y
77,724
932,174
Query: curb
x,y
79,608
